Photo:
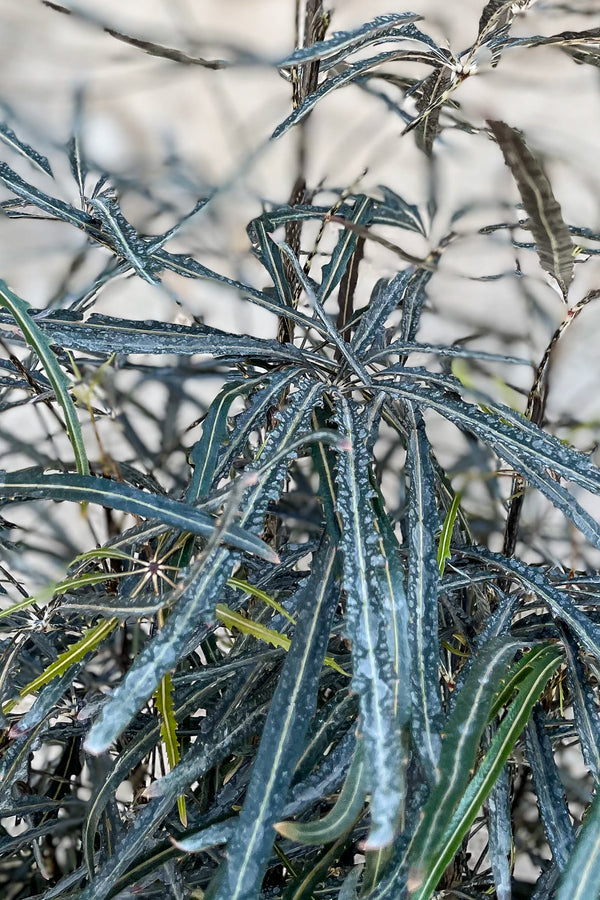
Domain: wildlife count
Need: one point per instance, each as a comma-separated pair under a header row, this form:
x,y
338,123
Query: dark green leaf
x,y
460,746
367,624
374,318
425,873
55,208
283,736
376,30
548,789
27,484
10,138
585,711
581,878
332,273
422,591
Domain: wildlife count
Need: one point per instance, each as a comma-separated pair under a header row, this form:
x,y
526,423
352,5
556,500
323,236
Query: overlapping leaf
x,y
366,624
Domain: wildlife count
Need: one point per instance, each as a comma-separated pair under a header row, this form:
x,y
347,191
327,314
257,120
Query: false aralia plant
x,y
291,651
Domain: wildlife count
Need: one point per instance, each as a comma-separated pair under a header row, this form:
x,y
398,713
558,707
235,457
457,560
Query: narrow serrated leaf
x,y
581,878
51,205
125,239
548,788
282,740
30,485
100,334
552,237
375,30
374,318
333,271
36,159
586,718
435,89
204,454
367,624
422,592
270,256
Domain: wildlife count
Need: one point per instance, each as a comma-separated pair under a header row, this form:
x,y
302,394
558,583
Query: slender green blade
x,y
460,746
422,596
426,873
28,484
343,815
19,309
283,736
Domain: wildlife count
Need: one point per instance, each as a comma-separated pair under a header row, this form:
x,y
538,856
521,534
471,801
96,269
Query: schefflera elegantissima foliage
x,y
339,707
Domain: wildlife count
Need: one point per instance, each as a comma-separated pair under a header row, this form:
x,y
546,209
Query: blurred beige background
x,y
139,110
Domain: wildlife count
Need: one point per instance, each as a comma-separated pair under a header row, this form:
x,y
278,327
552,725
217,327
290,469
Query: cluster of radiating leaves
x,y
258,650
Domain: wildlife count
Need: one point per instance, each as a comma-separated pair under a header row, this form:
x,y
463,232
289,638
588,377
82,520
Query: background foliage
x,y
323,617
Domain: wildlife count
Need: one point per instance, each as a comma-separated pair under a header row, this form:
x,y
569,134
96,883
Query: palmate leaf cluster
x,y
305,688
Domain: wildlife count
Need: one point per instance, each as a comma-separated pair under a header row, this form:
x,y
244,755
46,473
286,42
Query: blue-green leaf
x,y
333,271
211,836
28,484
581,878
553,241
500,835
204,454
343,814
101,334
124,238
422,596
195,598
8,136
50,205
376,30
291,708
548,789
377,313
367,624
586,719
